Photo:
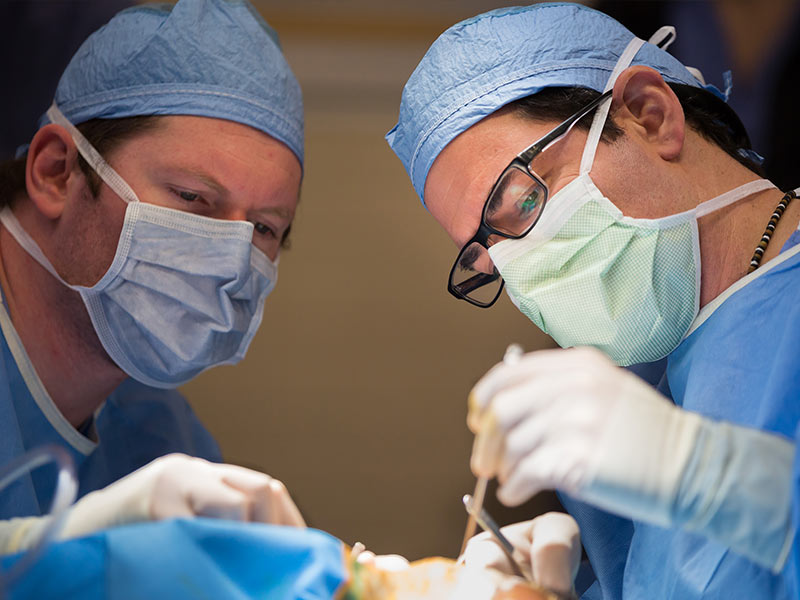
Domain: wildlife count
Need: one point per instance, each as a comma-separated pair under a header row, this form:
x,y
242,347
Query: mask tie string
x,y
663,37
602,111
106,172
24,239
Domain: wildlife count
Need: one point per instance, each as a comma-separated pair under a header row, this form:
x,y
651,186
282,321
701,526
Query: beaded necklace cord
x,y
773,221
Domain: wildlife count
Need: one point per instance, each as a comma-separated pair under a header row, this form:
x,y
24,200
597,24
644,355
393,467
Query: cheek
x,y
632,182
271,247
95,238
484,264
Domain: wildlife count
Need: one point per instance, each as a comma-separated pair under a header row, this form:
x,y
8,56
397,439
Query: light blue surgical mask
x,y
184,292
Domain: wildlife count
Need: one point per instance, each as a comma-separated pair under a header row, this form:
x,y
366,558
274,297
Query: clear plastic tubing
x,y
64,496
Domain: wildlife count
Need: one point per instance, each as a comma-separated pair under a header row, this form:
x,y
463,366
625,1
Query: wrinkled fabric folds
x,y
210,58
189,559
481,64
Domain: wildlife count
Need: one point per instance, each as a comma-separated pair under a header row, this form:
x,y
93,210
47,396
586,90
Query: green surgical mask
x,y
589,276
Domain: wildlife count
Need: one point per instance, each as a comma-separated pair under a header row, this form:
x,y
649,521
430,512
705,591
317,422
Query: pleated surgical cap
x,y
210,58
483,63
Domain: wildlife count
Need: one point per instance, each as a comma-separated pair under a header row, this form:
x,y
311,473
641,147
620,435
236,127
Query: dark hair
x,y
704,112
104,134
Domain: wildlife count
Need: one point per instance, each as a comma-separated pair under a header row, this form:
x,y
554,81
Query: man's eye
x,y
263,229
529,204
187,196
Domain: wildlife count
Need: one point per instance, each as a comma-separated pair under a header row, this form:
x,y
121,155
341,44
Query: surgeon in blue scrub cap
x,y
141,231
614,196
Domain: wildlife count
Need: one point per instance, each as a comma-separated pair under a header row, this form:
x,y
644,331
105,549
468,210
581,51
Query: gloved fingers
x,y
550,543
520,535
522,418
487,449
243,479
483,552
555,551
218,500
569,425
269,499
524,439
524,481
283,507
496,453
544,391
524,415
504,376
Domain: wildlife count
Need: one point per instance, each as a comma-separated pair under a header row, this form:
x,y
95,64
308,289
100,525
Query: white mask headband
x,y
111,178
663,38
734,195
10,222
599,120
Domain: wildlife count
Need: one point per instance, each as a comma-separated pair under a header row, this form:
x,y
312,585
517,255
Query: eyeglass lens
x,y
474,275
515,203
513,207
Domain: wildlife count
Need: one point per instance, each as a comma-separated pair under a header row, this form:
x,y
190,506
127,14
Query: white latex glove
x,y
550,544
177,485
574,421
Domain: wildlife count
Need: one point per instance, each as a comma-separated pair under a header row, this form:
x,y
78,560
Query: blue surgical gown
x,y
135,425
740,365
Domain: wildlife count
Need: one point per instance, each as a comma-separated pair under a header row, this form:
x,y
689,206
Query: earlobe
x,y
50,170
643,100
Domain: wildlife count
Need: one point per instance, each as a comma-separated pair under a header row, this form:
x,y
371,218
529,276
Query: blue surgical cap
x,y
483,63
210,58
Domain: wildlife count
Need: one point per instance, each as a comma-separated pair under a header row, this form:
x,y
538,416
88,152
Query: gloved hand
x,y
574,421
550,544
177,485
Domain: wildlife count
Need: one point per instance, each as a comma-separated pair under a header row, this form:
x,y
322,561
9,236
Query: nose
x,y
484,263
233,214
273,252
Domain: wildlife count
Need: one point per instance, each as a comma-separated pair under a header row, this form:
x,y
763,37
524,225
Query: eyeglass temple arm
x,y
474,282
559,132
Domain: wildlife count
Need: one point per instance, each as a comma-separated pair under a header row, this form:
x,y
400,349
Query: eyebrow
x,y
280,212
211,182
493,207
206,178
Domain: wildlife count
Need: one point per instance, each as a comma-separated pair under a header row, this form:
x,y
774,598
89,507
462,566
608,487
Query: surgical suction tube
x,y
64,496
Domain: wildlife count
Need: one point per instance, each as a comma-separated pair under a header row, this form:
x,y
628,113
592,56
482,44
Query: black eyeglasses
x,y
510,212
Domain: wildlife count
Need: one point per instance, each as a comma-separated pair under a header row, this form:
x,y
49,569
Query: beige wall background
x,y
354,390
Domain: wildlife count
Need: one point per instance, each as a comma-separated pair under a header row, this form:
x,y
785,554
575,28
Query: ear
x,y
52,171
644,103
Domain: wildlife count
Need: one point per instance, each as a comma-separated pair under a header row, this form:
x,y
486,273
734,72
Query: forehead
x,y
237,163
470,164
192,136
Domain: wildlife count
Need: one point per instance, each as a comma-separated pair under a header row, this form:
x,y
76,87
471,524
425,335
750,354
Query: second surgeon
x,y
614,194
141,231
